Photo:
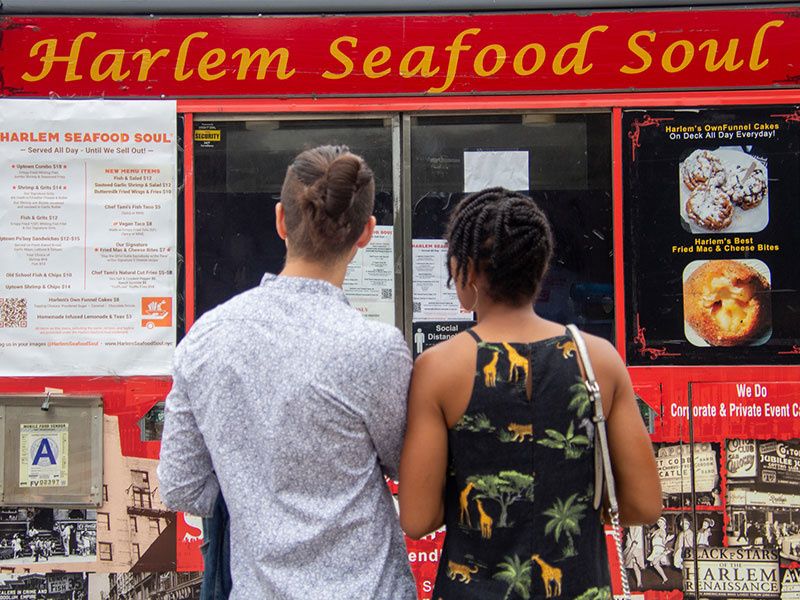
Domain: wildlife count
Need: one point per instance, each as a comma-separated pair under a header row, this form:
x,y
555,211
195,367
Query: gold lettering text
x,y
519,58
456,48
577,62
641,53
148,58
758,43
341,57
181,74
480,60
424,65
728,60
50,57
114,70
211,60
376,58
688,54
265,59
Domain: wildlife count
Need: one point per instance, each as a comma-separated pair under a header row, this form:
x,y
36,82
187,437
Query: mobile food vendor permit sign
x,y
87,236
43,453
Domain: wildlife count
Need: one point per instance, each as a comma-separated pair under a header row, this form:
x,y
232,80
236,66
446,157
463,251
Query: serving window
x,y
240,165
563,161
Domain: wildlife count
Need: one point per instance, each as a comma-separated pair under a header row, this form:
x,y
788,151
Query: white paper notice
x,y
43,454
432,299
504,168
87,237
369,282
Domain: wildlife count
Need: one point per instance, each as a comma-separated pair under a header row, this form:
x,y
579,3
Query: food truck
x,y
141,156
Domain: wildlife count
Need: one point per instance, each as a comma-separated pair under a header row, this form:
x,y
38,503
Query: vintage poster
x,y
369,281
41,586
655,556
740,460
47,536
779,466
168,585
790,584
675,471
741,539
732,573
44,455
709,203
88,237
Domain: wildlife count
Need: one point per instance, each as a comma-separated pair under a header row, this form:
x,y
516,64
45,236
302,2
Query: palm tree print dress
x,y
518,497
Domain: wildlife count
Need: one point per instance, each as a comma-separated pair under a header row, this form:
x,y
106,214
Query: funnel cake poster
x,y
710,196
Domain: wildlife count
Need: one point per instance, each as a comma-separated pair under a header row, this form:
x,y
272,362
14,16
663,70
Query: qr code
x,y
13,312
416,306
386,293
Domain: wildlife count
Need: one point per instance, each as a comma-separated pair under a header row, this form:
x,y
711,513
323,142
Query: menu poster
x,y
369,281
433,299
710,212
87,236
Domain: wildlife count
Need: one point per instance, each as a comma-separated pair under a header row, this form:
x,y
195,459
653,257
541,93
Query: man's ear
x,y
280,220
366,234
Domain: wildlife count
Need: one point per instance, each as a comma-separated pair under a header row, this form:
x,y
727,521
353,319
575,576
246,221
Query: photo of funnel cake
x,y
727,302
725,189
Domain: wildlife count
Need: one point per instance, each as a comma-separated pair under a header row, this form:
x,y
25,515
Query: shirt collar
x,y
304,285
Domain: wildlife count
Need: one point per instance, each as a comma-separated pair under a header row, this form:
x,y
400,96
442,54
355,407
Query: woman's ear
x,y
472,275
280,220
366,234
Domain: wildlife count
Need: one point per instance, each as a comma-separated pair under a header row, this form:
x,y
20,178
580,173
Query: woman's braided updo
x,y
508,239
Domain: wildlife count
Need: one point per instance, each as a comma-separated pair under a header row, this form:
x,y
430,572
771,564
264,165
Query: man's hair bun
x,y
340,184
328,195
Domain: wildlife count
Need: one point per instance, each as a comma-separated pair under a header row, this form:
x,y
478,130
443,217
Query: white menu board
x,y
87,237
432,299
369,282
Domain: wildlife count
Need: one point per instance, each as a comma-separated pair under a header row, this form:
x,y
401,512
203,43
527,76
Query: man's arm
x,y
186,475
386,420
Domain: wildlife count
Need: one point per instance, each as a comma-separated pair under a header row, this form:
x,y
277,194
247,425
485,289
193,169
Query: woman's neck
x,y
332,273
512,322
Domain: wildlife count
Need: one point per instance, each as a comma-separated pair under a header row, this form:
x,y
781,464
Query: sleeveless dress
x,y
520,479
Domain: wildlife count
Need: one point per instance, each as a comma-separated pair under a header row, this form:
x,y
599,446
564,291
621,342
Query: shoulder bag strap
x,y
602,458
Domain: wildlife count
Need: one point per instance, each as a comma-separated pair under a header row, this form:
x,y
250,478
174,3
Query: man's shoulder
x,y
381,336
215,330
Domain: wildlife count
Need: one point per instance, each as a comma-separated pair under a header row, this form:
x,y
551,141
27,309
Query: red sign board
x,y
414,55
746,410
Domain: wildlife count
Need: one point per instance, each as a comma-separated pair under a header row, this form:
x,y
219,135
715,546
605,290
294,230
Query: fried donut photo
x,y
710,207
746,186
702,169
727,303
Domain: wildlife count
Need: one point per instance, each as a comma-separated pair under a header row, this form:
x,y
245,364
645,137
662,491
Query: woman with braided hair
x,y
498,446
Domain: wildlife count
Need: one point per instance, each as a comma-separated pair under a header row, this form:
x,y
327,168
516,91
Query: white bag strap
x,y
602,457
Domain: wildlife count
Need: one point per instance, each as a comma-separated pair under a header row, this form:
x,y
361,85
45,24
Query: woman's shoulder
x,y
449,359
602,353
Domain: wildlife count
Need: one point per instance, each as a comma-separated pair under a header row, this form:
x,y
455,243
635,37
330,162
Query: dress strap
x,y
474,335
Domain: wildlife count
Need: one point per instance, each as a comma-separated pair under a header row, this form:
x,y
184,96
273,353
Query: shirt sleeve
x,y
388,385
185,472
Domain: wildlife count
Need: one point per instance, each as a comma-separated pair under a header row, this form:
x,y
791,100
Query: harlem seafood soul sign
x,y
412,55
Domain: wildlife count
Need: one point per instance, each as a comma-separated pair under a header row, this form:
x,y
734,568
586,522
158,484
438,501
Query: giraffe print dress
x,y
518,497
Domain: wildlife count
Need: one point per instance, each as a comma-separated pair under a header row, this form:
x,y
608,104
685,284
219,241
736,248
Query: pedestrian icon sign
x,y
43,455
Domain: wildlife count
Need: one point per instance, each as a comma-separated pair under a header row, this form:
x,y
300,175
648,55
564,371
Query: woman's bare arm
x,y
423,463
637,482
